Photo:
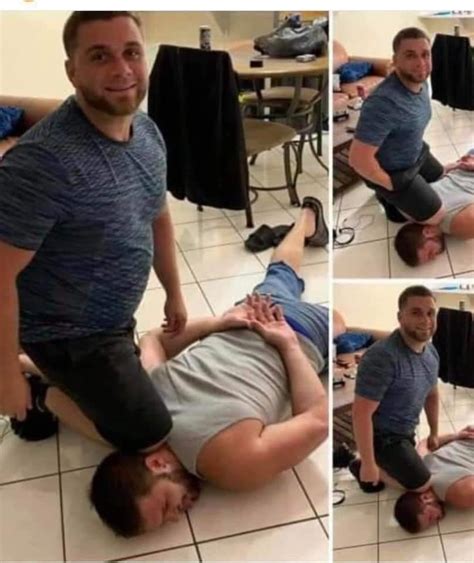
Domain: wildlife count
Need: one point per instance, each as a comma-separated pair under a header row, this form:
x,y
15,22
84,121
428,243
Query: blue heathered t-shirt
x,y
394,119
85,204
400,379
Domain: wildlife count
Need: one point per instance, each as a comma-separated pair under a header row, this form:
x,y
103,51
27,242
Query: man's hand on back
x,y
270,323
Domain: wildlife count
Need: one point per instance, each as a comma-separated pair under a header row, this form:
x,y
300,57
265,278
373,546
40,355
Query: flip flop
x,y
320,237
260,240
280,232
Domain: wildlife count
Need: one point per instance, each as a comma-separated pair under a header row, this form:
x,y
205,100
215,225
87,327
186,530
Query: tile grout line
x,y
265,528
127,557
193,535
442,543
300,482
61,504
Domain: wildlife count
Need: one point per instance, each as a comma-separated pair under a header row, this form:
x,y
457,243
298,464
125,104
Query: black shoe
x,y
321,234
354,468
280,232
261,239
39,423
342,456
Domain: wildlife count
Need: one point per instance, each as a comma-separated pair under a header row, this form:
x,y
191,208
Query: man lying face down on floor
x,y
246,401
418,244
452,482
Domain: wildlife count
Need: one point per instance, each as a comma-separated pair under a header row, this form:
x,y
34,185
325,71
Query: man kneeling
x,y
418,244
452,482
246,401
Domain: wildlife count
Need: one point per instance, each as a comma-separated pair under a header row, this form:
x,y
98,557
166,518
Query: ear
x,y
70,71
398,316
428,230
156,464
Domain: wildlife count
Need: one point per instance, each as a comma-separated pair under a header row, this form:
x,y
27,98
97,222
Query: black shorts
x,y
412,192
103,375
397,456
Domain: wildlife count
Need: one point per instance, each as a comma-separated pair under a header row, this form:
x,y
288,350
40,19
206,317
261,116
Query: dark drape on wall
x,y
193,98
452,77
454,341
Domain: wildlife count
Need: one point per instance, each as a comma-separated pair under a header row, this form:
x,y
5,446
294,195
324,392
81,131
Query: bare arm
x,y
362,159
249,455
14,391
159,345
166,269
432,414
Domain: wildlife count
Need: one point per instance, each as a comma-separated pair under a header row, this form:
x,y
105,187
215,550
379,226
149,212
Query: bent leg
x,y
103,376
57,402
396,455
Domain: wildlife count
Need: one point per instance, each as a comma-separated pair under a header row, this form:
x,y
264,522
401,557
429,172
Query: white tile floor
x,y
45,514
365,529
372,254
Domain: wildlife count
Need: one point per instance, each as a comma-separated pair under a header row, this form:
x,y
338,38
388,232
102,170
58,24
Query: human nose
x,y
122,66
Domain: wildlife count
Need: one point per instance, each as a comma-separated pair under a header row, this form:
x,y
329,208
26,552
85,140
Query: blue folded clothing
x,y
9,119
350,72
352,341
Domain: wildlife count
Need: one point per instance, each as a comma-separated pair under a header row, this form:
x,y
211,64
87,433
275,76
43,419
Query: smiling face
x,y
412,60
107,66
417,318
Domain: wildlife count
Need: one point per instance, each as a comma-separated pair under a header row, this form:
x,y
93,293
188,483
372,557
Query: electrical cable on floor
x,y
5,428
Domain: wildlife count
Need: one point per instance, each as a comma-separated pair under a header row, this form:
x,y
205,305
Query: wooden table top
x,y
273,67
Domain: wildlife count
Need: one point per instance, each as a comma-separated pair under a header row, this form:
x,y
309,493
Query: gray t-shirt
x,y
85,204
450,463
400,379
225,378
456,191
394,119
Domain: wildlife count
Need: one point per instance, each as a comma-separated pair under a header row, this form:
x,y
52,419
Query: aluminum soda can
x,y
205,37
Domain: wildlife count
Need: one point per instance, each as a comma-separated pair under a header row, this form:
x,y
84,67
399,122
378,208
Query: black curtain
x,y
452,77
454,341
193,98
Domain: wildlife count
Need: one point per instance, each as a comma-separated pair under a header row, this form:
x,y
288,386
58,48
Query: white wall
x,y
371,33
451,301
376,305
32,56
368,305
182,28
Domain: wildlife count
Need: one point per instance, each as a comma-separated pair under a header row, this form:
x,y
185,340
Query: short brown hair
x,y
119,481
408,241
413,291
406,512
76,19
408,33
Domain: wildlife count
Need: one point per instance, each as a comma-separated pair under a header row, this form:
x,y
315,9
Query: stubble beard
x,y
119,108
